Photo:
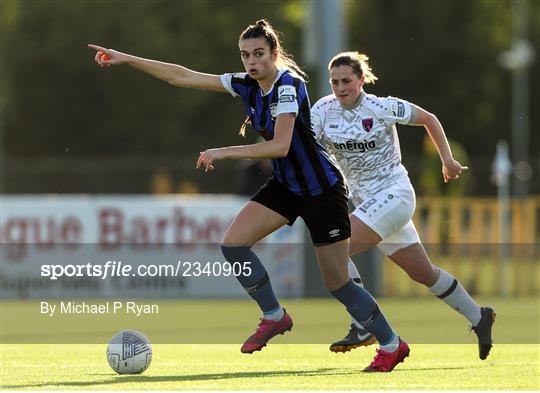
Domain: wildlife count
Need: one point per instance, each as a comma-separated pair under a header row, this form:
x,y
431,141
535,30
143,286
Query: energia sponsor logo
x,y
361,146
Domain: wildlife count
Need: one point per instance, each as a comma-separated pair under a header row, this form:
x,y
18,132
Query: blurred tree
x,y
55,102
442,55
61,99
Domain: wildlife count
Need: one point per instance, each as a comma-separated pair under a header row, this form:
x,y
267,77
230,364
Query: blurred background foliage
x,y
69,126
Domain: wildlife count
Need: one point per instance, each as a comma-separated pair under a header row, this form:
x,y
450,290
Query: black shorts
x,y
326,215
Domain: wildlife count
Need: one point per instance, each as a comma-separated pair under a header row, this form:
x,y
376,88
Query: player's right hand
x,y
106,57
452,169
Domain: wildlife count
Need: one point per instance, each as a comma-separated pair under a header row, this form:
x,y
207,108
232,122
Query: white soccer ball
x,y
129,352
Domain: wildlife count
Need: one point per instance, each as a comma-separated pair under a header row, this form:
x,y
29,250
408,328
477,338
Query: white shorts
x,y
389,213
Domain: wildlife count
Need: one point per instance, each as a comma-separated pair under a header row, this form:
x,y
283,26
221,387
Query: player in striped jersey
x,y
359,130
305,183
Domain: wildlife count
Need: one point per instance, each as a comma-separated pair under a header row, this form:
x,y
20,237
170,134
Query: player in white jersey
x,y
306,183
359,129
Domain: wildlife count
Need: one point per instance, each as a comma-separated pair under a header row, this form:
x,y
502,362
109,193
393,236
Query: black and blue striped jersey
x,y
307,169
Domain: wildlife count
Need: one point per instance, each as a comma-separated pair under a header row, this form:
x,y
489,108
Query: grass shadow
x,y
430,369
187,378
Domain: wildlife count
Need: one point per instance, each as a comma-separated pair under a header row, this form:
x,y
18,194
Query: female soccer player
x,y
305,182
360,131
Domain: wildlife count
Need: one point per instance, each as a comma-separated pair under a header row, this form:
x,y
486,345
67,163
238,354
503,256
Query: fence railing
x,y
466,237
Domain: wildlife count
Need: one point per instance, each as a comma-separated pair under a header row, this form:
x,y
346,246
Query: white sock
x,y
275,315
391,346
449,290
353,272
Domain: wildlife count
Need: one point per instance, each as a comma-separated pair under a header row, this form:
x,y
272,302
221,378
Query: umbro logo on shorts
x,y
334,233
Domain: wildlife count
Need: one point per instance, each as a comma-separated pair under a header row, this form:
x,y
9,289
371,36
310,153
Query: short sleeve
x,y
317,121
232,82
397,110
287,100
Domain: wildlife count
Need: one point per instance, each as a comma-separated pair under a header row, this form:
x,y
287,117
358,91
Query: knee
x,y
239,235
229,240
334,282
233,239
331,286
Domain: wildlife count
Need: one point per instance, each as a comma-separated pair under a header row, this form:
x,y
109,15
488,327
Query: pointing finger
x,y
96,47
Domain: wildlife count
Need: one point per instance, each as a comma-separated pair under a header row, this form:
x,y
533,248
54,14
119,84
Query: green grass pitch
x,y
287,365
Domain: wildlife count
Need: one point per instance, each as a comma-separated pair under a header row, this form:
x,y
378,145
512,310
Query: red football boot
x,y
265,331
386,361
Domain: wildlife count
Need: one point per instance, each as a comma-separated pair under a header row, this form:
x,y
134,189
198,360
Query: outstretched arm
x,y
173,74
451,168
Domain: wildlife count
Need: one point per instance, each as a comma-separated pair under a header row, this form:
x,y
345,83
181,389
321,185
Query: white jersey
x,y
364,141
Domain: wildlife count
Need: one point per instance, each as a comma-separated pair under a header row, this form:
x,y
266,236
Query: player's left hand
x,y
452,169
207,157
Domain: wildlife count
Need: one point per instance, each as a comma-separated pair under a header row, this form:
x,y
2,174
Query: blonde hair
x,y
263,28
357,61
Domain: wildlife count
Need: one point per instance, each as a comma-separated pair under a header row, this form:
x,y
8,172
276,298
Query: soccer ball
x,y
129,352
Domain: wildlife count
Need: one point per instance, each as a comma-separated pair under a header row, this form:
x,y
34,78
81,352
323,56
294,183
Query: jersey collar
x,y
357,103
280,73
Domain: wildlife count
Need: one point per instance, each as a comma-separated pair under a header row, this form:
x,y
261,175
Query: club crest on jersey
x,y
367,124
273,110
